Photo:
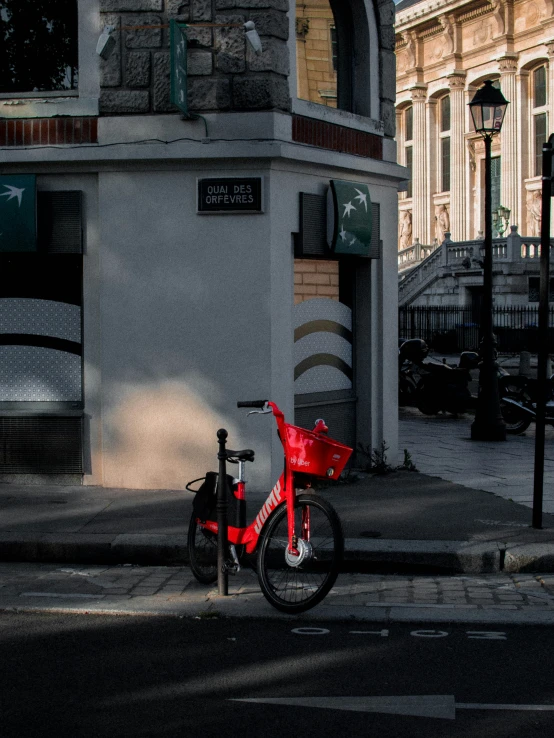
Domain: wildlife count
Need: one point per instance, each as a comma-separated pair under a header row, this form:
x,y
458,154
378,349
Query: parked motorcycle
x,y
434,386
408,375
518,402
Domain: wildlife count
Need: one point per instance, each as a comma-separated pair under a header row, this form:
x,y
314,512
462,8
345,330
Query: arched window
x,y
333,52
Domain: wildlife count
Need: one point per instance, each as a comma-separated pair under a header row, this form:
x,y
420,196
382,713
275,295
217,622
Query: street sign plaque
x,y
230,195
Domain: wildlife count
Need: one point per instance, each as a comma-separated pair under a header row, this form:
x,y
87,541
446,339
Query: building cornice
x,y
424,16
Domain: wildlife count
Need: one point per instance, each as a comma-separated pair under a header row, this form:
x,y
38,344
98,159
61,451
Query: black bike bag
x,y
204,505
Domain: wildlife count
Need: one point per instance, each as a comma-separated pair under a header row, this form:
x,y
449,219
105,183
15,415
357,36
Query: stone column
x,y
431,163
458,162
524,160
420,183
509,139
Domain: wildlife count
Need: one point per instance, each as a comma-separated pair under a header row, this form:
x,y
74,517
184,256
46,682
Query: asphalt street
x,y
69,675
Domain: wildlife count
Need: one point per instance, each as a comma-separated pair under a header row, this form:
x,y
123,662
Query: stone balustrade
x,y
428,263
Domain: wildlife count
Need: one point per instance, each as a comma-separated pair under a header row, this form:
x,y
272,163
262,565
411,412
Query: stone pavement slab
x,y
441,446
135,590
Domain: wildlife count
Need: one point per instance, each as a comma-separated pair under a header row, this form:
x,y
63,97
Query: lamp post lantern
x,y
487,110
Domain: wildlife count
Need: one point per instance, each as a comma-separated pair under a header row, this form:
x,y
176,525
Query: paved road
x,y
441,446
79,677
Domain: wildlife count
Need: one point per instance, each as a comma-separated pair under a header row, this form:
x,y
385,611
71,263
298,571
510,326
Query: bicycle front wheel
x,y
294,584
202,550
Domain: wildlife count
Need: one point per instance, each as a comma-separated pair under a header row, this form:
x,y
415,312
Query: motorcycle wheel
x,y
426,404
406,391
516,420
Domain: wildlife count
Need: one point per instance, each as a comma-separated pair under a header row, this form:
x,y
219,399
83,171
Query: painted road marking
x,y
483,635
433,706
383,633
429,633
437,706
487,635
310,631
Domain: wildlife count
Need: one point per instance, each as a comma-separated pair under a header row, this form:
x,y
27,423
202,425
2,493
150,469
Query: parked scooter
x,y
518,402
434,386
408,374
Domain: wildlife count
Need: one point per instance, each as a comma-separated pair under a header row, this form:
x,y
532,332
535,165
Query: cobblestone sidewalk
x,y
500,598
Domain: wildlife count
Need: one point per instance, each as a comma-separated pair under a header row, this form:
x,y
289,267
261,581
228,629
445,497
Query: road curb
x,y
230,609
400,556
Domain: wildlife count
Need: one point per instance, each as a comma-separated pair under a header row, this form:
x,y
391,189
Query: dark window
x,y
445,164
409,160
409,123
38,45
539,126
534,289
334,47
445,113
496,170
539,87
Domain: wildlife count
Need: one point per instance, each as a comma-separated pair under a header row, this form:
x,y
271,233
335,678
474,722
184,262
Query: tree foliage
x,y
38,45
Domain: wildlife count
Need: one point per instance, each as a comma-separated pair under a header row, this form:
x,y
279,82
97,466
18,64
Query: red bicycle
x,y
296,538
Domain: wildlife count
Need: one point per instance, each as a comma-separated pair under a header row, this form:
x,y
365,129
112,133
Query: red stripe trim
x,y
336,138
45,131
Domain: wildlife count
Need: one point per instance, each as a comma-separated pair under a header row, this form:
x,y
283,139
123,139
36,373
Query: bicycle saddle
x,y
245,455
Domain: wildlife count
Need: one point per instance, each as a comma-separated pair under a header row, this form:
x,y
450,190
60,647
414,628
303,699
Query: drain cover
x,y
370,534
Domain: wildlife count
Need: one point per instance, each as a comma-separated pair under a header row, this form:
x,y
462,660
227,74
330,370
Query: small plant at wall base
x,y
376,459
408,464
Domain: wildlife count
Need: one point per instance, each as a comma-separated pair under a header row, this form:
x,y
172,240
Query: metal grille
x,y
59,219
41,445
451,329
375,246
312,239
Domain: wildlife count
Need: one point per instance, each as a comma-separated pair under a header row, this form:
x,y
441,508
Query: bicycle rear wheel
x,y
202,550
295,584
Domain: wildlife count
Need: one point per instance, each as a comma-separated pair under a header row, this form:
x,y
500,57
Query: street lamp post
x,y
501,219
487,110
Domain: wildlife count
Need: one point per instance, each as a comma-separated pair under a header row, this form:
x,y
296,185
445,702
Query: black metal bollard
x,y
221,507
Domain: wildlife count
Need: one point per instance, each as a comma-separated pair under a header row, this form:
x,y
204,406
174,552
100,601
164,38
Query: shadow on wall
x,y
160,436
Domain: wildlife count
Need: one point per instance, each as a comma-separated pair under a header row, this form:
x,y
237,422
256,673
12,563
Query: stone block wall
x,y
385,16
224,74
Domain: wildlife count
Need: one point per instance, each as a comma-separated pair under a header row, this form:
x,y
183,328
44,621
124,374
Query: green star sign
x,y
350,222
18,229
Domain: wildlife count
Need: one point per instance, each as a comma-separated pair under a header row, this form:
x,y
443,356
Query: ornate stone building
x,y
445,50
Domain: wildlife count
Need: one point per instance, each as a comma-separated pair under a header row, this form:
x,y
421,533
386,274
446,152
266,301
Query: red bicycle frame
x,y
306,451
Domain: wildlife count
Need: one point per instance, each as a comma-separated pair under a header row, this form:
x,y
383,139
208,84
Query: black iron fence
x,y
453,329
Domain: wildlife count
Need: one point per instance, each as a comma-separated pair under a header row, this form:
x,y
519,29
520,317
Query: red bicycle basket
x,y
314,453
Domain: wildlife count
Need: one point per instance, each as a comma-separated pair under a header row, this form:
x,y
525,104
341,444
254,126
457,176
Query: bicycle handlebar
x,y
253,403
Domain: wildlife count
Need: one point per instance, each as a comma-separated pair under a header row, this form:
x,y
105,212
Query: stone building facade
x,y
150,312
445,50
